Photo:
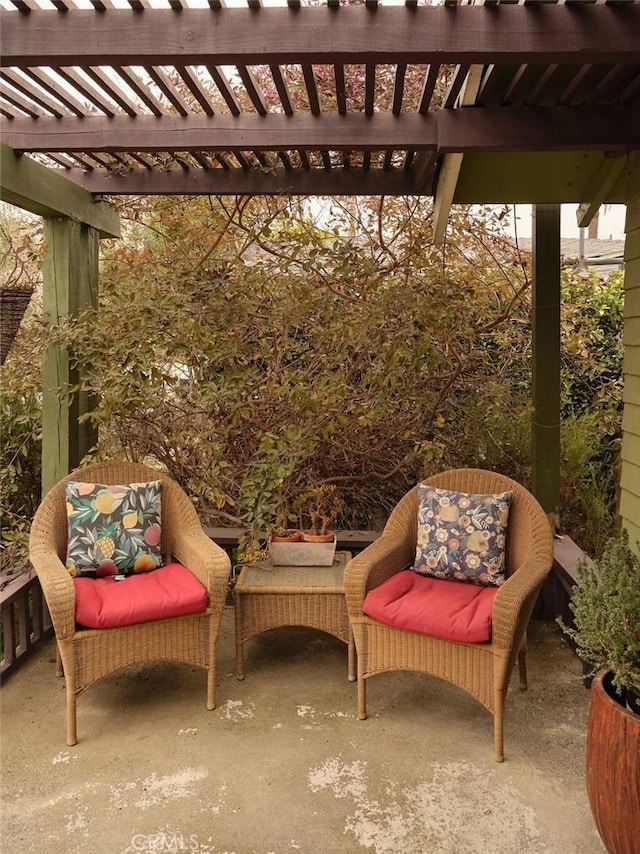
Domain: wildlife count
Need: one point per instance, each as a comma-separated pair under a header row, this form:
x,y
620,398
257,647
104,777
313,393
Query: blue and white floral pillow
x,y
461,536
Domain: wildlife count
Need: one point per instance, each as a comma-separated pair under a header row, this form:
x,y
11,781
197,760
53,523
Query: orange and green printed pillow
x,y
113,530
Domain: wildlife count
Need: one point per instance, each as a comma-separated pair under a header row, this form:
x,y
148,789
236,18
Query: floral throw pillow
x,y
461,536
113,530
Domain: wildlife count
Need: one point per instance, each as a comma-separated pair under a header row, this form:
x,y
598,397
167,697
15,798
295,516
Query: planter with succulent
x,y
321,505
606,630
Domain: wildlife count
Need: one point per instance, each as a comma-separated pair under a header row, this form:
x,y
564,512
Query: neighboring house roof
x,y
604,256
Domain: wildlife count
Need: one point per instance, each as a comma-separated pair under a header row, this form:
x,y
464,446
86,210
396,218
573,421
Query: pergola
x,y
494,102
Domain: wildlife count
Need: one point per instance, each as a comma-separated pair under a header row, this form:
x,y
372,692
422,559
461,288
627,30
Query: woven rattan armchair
x,y
86,655
484,669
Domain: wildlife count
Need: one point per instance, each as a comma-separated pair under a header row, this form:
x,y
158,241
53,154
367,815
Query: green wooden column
x,y
70,276
546,359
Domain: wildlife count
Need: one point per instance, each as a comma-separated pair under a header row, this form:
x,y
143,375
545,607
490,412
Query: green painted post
x,y
70,279
546,359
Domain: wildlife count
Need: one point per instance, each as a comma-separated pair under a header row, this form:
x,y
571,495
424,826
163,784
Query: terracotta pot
x,y
291,537
312,537
613,767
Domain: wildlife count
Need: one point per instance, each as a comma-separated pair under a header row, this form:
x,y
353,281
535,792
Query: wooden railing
x,y
24,618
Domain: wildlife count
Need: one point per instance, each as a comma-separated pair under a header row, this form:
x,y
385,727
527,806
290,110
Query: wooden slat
x,y
18,101
582,82
304,159
286,160
611,84
142,91
196,88
6,112
423,168
398,88
281,88
369,89
312,89
455,86
140,158
222,160
41,77
224,87
60,159
74,79
551,83
164,84
253,89
430,80
261,158
25,5
101,79
524,80
201,159
242,160
341,97
31,92
366,161
630,92
495,82
83,161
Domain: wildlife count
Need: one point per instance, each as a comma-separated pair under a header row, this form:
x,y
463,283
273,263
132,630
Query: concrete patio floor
x,y
283,765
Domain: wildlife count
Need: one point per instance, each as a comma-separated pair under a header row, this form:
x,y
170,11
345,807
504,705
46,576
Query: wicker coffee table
x,y
293,596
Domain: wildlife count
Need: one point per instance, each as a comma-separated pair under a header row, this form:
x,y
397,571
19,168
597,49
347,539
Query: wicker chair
x,y
484,669
86,655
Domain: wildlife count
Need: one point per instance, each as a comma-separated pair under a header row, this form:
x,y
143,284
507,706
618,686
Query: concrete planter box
x,y
303,554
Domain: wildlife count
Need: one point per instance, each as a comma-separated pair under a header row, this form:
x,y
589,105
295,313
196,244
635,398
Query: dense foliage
x,y
20,398
256,346
606,612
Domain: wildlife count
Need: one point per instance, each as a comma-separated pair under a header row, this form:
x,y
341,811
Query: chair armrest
x,y
208,562
379,561
58,588
514,601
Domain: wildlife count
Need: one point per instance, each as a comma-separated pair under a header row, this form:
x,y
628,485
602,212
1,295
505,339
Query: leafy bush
x,y
20,395
606,610
256,347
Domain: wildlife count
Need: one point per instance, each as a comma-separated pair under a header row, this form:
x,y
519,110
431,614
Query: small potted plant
x,y
283,531
606,630
321,505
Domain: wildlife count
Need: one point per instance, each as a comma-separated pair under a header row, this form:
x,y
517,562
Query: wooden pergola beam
x,y
221,182
541,33
33,187
472,129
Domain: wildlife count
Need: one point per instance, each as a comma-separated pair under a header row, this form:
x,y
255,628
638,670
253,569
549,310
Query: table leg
x,y
239,642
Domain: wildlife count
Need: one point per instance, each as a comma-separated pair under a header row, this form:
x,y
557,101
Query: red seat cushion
x,y
169,591
432,606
